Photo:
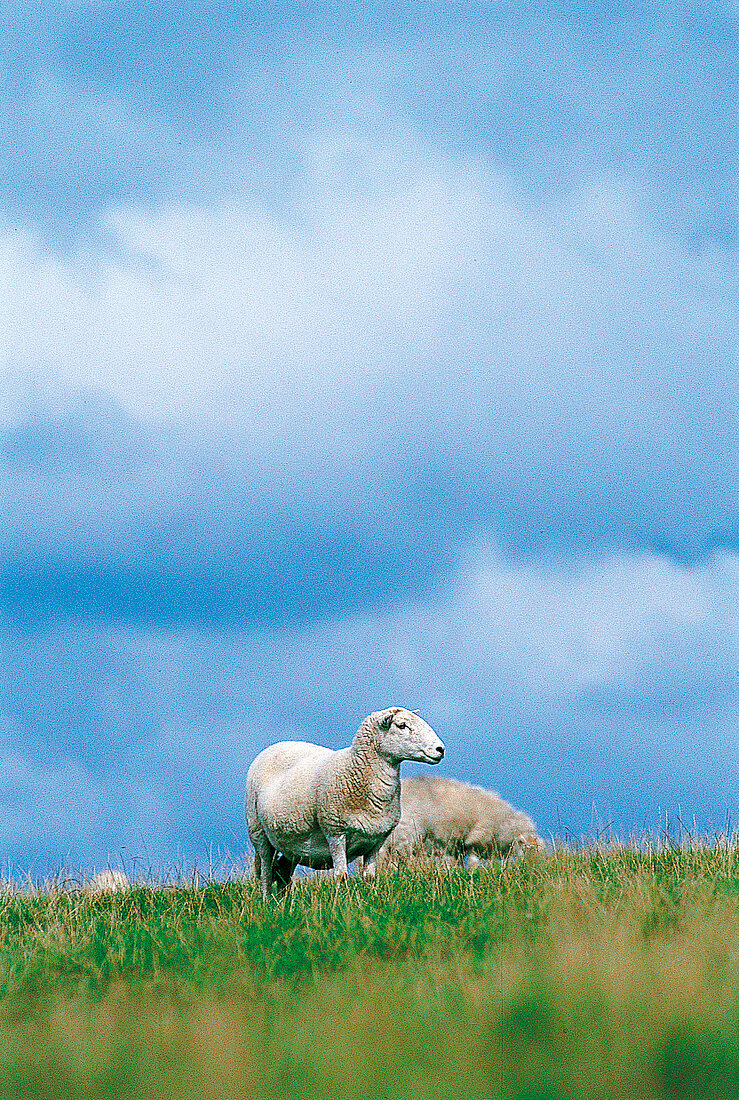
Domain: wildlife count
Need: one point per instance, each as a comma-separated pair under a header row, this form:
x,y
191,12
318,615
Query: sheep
x,y
109,882
457,820
310,805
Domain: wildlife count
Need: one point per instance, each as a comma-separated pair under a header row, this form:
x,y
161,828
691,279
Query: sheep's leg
x,y
369,862
402,844
473,860
264,854
337,848
282,871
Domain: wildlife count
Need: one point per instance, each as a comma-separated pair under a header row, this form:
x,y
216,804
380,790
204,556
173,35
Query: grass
x,y
597,973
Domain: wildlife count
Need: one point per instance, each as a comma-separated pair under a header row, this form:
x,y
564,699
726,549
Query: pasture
x,y
608,972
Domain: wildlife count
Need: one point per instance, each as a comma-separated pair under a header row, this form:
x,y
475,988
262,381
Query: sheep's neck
x,y
380,778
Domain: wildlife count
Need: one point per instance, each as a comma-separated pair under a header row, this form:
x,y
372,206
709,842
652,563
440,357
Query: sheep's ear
x,y
387,720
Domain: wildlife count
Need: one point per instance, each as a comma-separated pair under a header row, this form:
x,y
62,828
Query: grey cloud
x,y
117,522
58,816
551,99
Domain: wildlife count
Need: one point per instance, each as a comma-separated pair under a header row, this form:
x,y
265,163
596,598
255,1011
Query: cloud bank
x,y
608,682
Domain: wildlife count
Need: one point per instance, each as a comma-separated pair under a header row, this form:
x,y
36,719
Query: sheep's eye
x,y
401,725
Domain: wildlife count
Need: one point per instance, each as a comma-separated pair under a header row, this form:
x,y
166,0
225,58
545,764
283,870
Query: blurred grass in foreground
x,y
595,973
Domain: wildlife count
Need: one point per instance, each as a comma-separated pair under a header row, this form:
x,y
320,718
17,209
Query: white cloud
x,y
394,270
606,622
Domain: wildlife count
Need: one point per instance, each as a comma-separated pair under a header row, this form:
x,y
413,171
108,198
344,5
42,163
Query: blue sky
x,y
358,355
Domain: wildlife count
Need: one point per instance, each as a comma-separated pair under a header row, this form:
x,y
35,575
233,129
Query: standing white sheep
x,y
458,820
309,805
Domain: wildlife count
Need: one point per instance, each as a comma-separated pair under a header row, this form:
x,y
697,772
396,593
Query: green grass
x,y
600,973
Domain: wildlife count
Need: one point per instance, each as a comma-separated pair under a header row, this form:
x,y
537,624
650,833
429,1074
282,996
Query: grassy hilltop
x,y
588,974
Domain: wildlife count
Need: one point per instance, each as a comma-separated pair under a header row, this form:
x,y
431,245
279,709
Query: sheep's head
x,y
403,735
528,844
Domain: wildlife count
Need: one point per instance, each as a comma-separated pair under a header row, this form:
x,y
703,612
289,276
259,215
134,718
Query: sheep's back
x,y
281,782
449,811
436,808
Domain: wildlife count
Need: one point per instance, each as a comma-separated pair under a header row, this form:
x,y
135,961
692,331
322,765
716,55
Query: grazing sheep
x,y
109,882
457,820
313,806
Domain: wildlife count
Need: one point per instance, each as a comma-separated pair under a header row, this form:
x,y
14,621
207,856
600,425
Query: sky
x,y
359,355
